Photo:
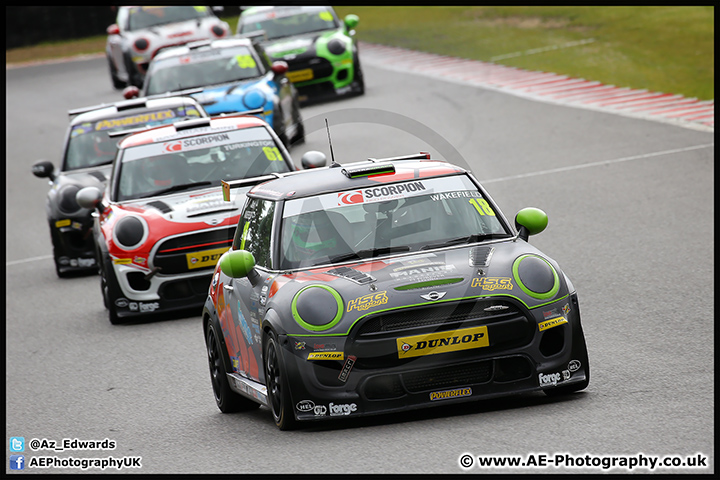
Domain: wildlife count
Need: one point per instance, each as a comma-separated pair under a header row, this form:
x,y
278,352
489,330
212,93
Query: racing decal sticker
x,y
62,223
342,409
482,206
347,366
368,301
299,345
493,283
305,406
442,342
245,61
141,119
553,322
122,261
446,394
566,309
206,258
350,198
244,325
552,379
574,365
326,356
423,272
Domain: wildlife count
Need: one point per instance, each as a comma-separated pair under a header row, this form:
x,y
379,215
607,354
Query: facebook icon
x,y
17,462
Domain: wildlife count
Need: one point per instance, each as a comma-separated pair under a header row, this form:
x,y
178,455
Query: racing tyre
x,y
116,82
299,137
227,400
134,77
57,253
277,385
359,81
110,289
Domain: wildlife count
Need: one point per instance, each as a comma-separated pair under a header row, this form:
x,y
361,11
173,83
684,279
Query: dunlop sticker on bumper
x,y
442,342
326,356
206,258
300,75
553,322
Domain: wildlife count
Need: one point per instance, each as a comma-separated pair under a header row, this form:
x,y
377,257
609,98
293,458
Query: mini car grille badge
x,y
433,296
496,308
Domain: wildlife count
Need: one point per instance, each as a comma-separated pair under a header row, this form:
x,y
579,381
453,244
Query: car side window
x,y
255,229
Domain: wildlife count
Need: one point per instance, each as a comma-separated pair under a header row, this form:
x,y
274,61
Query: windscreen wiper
x,y
176,188
369,252
476,237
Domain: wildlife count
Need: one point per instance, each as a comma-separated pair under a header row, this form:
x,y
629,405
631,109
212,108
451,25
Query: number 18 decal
x,y
482,206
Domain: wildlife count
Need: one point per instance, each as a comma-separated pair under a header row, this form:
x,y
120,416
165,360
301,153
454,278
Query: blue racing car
x,y
235,75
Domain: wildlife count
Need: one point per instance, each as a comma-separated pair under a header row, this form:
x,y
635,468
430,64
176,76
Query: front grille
x,y
190,289
469,374
437,315
321,67
171,255
448,376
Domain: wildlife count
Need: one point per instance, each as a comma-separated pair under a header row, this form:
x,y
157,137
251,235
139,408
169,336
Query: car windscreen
x,y
90,145
146,17
181,162
201,68
286,22
389,218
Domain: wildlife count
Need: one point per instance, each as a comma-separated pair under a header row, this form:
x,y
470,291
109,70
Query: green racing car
x,y
319,48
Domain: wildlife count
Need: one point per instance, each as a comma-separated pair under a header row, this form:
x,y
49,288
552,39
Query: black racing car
x,y
382,286
87,157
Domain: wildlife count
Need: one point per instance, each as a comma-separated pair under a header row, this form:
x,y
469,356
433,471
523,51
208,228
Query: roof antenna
x,y
332,155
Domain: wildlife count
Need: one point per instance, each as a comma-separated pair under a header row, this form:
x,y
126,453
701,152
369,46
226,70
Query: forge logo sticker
x,y
350,198
442,342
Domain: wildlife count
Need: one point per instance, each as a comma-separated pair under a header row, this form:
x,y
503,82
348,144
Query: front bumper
x,y
73,245
161,293
371,379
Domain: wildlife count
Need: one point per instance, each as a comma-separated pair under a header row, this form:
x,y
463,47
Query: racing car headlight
x,y
317,307
141,44
130,232
66,199
336,46
254,99
217,30
536,277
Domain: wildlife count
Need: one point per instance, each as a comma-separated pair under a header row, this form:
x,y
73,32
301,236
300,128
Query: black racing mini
x,y
382,286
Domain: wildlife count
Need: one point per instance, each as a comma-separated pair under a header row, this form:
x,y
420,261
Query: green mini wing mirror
x,y
351,21
530,221
237,264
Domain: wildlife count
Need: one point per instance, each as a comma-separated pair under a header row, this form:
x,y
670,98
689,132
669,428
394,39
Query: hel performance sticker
x,y
432,186
493,283
206,258
442,342
368,301
445,394
553,322
326,356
